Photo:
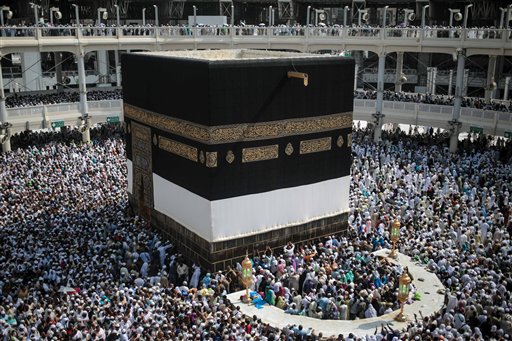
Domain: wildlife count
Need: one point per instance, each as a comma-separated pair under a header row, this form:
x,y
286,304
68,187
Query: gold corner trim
x,y
142,164
140,133
239,132
315,145
141,138
179,127
260,153
349,140
178,148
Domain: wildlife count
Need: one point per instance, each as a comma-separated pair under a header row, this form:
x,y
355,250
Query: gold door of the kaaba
x,y
142,168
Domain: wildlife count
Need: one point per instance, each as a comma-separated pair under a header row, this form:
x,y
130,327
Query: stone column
x,y
399,71
465,83
455,124
489,86
450,83
3,110
102,68
359,59
5,127
505,90
118,68
380,98
424,59
32,72
356,72
82,83
431,80
58,70
84,107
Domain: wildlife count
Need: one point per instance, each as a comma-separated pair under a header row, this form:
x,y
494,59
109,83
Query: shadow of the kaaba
x,y
371,325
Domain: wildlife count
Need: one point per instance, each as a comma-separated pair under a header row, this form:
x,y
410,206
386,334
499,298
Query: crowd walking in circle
x,y
79,265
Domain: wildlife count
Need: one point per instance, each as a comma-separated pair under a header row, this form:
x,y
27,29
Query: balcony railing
x,y
493,122
346,33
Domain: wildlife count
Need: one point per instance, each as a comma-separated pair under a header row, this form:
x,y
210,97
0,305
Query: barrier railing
x,y
335,32
54,110
394,111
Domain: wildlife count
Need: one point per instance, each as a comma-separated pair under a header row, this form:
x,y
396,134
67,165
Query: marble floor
x,y
426,283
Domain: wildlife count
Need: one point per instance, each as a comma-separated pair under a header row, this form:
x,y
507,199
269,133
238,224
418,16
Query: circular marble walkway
x,y
427,285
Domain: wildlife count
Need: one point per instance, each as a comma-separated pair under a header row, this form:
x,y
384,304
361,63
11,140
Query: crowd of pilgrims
x,y
77,264
22,100
470,102
47,98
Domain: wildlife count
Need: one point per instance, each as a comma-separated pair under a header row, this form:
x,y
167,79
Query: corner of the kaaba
x,y
233,155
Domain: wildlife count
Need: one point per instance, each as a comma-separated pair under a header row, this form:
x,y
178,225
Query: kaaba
x,y
231,151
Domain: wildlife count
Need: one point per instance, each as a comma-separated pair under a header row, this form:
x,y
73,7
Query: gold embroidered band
x,y
260,153
315,145
178,148
239,132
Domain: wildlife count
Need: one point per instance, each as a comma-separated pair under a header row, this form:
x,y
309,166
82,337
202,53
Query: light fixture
x,y
403,294
195,15
466,14
77,10
362,16
395,235
156,15
423,11
345,10
102,13
8,14
118,21
36,12
247,276
384,16
454,15
409,16
55,12
402,79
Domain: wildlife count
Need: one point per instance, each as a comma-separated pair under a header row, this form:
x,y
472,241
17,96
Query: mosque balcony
x,y
475,79
474,41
